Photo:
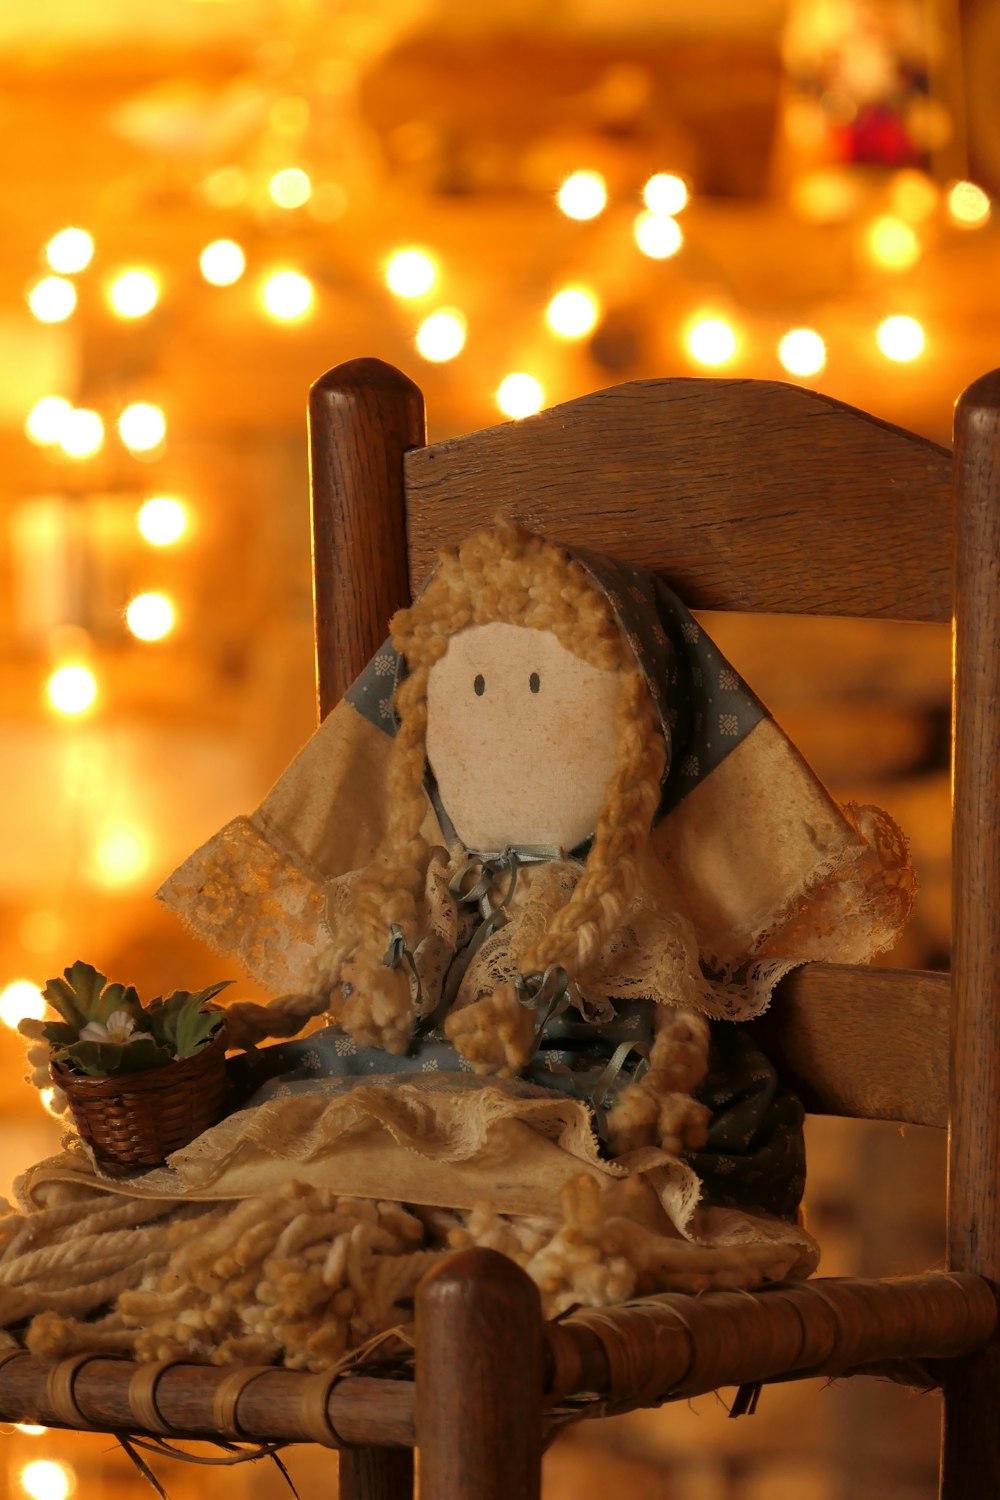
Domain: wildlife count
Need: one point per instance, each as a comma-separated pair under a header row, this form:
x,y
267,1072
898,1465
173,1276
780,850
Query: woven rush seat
x,y
594,1362
675,1346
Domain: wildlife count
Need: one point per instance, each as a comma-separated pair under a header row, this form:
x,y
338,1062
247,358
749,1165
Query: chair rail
x,y
659,1348
675,1346
866,1043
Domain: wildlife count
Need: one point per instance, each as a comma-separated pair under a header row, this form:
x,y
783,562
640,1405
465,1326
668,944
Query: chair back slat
x,y
750,495
866,1043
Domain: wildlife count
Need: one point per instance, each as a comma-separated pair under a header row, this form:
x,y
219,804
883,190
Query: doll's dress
x,y
591,1041
422,1129
588,1047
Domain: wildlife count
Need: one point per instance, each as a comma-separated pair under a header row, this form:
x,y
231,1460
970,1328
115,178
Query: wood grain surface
x,y
972,1390
479,1379
362,1410
865,1043
750,495
677,1346
376,1474
501,1368
363,415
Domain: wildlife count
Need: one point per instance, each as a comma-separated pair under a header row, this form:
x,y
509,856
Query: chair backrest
x,y
751,495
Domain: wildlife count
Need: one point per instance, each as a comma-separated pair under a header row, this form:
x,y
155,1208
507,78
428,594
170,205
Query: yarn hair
x,y
503,575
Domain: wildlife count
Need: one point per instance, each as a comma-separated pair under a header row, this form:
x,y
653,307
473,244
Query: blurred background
x,y
207,203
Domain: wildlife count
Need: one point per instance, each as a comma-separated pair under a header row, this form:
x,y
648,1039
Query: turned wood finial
x,y
363,416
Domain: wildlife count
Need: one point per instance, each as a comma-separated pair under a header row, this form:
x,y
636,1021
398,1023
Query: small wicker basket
x,y
134,1120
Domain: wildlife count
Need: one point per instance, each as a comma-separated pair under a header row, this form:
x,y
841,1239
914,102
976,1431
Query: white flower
x,y
119,1028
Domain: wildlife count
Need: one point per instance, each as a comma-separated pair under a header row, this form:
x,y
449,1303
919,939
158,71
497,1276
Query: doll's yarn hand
x,y
645,1117
658,1110
495,1034
377,1010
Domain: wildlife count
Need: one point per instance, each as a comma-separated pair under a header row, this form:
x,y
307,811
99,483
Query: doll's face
x,y
521,737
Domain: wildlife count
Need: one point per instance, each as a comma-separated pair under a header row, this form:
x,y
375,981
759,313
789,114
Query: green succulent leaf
x,y
181,1020
105,1059
179,1025
84,995
59,1033
62,998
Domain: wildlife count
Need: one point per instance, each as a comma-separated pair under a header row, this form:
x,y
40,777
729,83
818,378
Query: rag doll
x,y
516,893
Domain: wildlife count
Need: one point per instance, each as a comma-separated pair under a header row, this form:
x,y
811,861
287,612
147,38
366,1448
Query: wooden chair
x,y
752,496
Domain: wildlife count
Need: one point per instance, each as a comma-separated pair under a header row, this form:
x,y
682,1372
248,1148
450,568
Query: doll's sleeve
x,y
258,888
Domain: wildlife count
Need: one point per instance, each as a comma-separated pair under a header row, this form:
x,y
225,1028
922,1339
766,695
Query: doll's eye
x,y
479,684
534,682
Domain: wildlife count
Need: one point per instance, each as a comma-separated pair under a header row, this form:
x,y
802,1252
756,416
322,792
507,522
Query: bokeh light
x,y
121,854
826,196
900,338
410,273
290,188
572,313
657,235
81,433
441,336
134,294
142,426
162,520
583,195
802,351
222,262
520,395
968,205
150,616
44,1479
53,299
19,1001
288,295
665,193
69,251
711,341
72,689
47,419
892,243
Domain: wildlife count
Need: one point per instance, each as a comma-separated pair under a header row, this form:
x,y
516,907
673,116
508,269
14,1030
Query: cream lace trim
x,y
244,896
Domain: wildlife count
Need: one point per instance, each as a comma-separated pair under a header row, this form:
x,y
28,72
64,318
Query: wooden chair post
x,y
479,1380
971,1446
363,416
375,1474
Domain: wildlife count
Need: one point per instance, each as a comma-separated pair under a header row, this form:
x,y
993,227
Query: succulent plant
x,y
106,1030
